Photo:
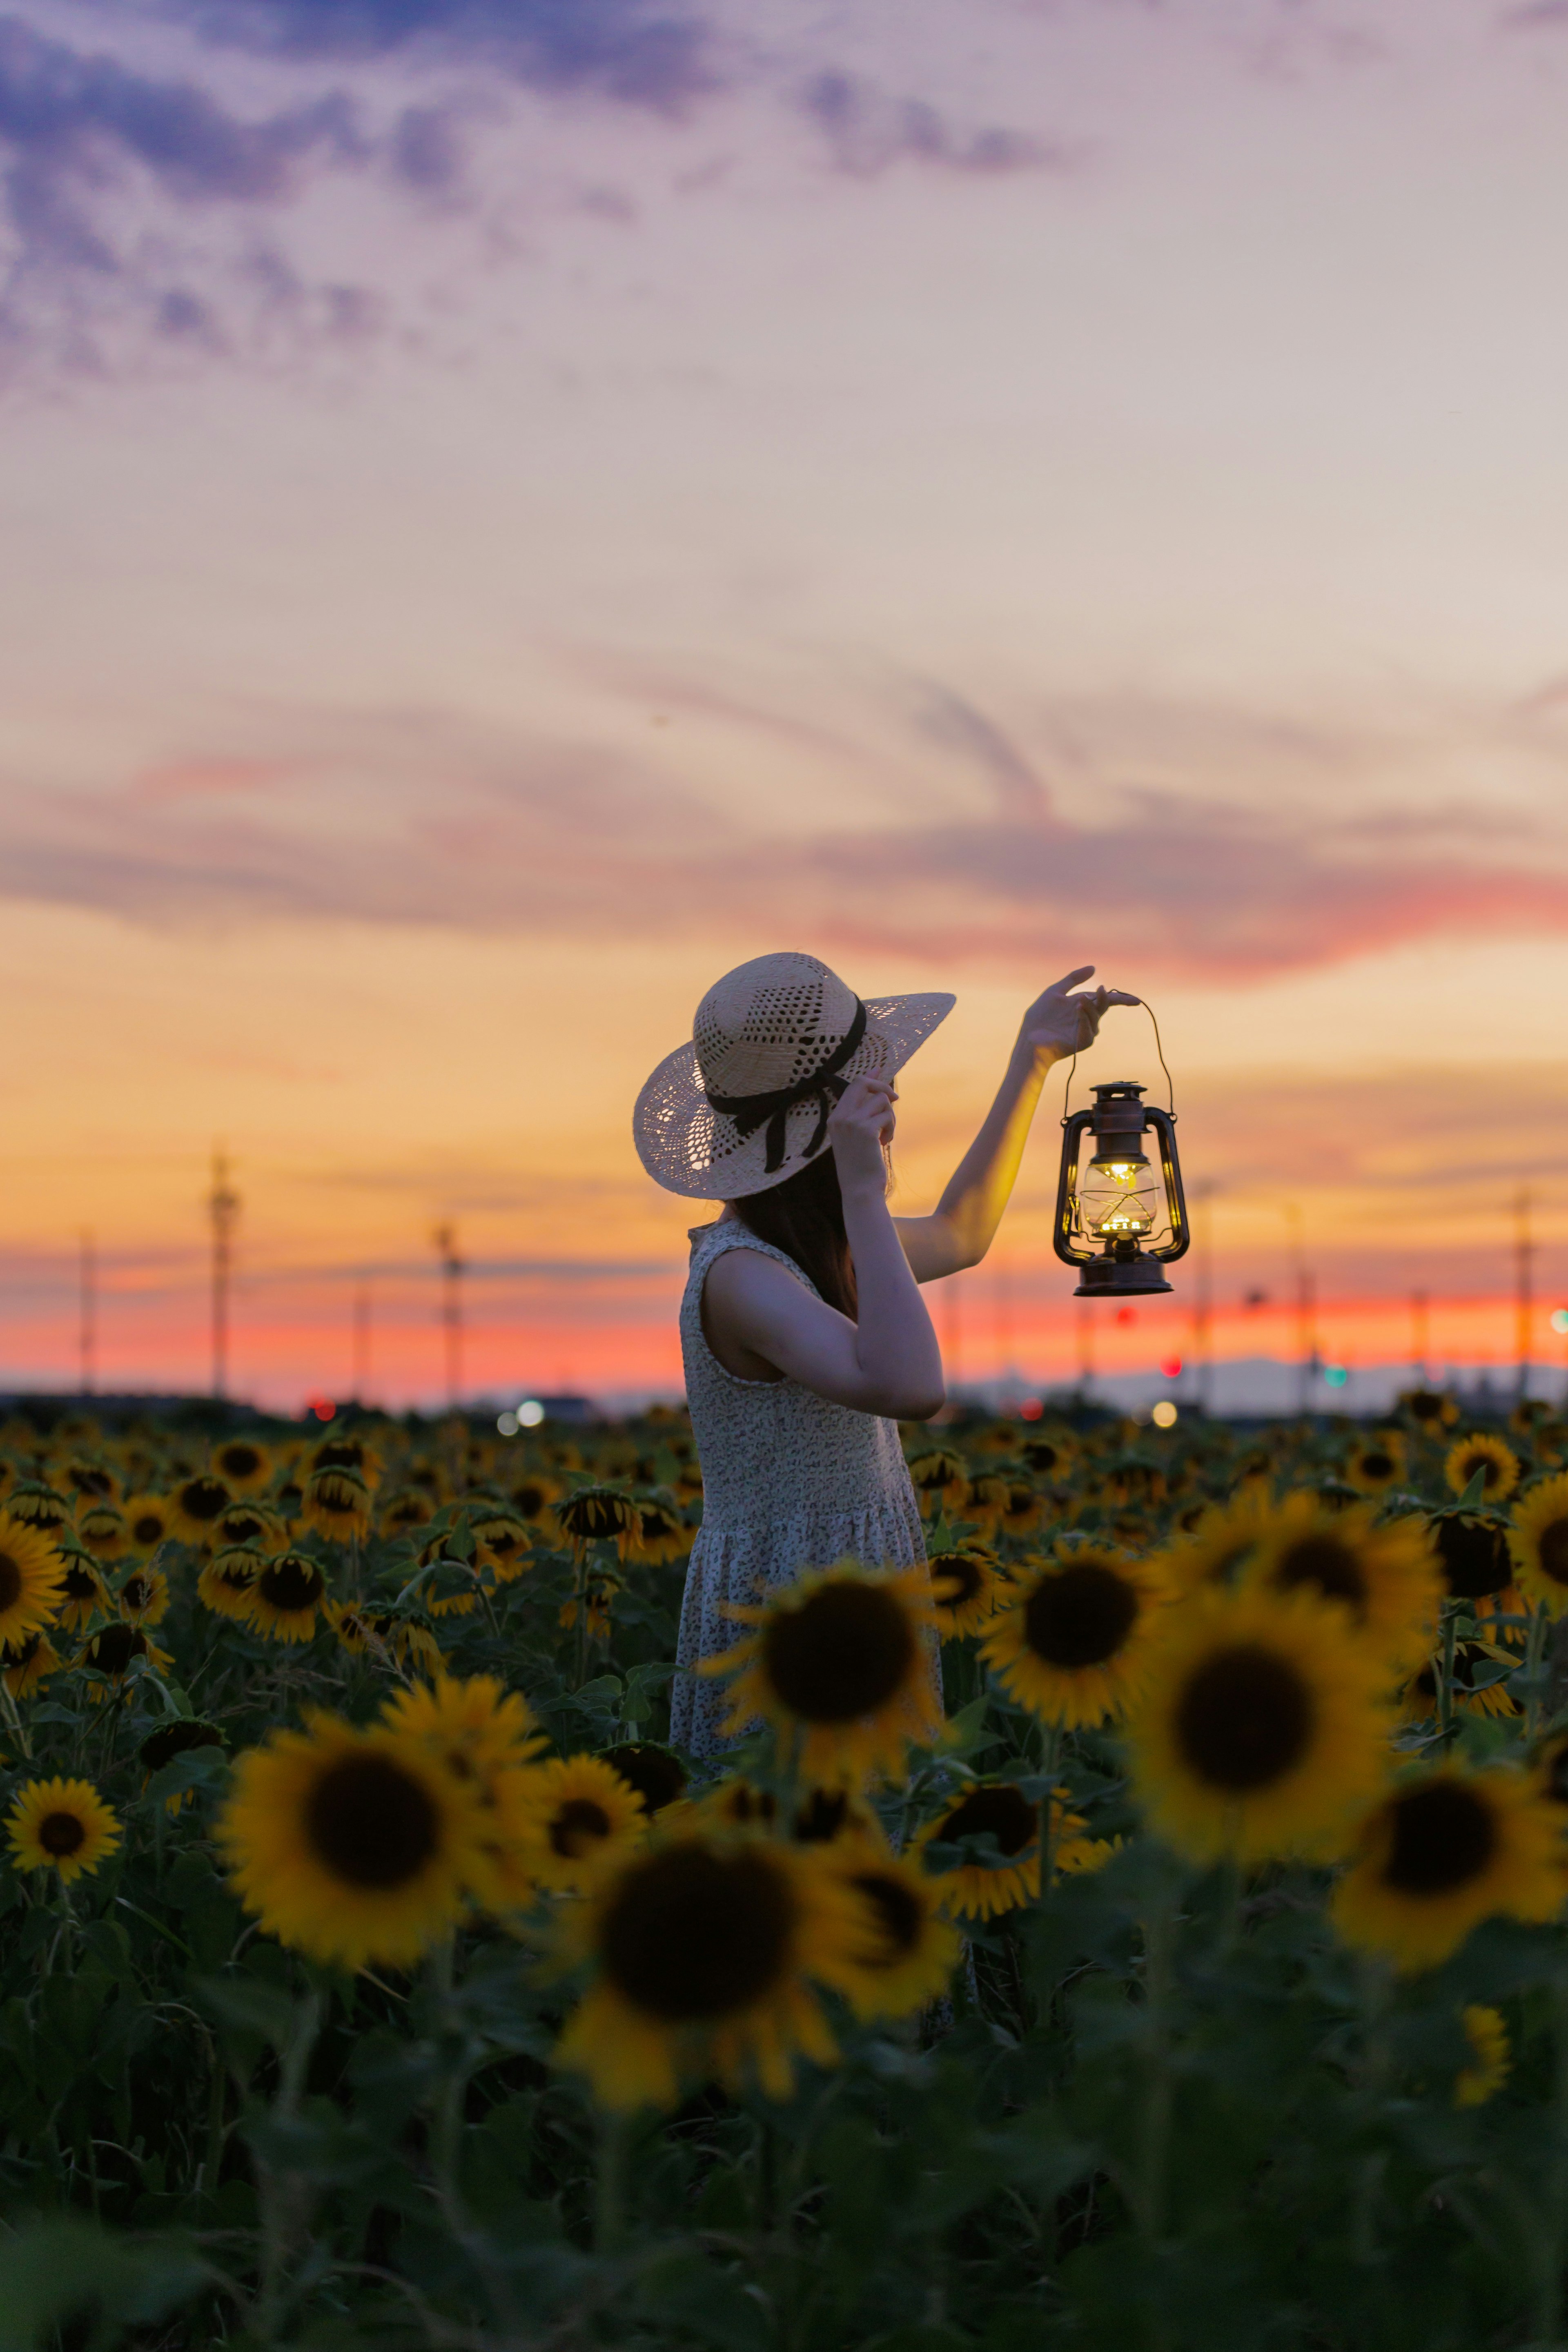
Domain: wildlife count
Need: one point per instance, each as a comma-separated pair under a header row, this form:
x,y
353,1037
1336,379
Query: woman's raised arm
x,y
959,1230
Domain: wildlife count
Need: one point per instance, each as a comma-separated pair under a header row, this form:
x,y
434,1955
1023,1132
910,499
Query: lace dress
x,y
790,1482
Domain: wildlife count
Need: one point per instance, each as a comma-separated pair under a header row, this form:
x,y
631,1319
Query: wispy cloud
x,y
867,132
408,820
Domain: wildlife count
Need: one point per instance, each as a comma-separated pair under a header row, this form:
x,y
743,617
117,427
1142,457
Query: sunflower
x,y
1262,1729
113,1650
738,1803
662,1534
485,1738
351,1847
38,1507
1218,1544
143,1596
1022,1509
1432,1410
1422,1691
345,1452
90,1481
251,1524
967,1588
829,1816
598,1514
907,1950
840,1658
583,1815
282,1598
1440,1854
1487,2035
1385,1577
655,1771
939,1478
532,1495
225,1582
1050,1453
409,1635
408,1508
1000,1811
705,1950
185,1733
1538,1543
336,1502
32,1578
197,1504
1530,1415
1375,1464
245,1467
102,1531
61,1824
503,1546
354,1629
1473,1554
1496,1462
150,1519
83,1596
28,1663
1072,1643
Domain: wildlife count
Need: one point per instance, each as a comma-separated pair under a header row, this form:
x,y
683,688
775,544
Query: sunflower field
x,y
1146,1931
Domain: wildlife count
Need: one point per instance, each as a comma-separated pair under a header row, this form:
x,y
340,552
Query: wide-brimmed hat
x,y
773,1045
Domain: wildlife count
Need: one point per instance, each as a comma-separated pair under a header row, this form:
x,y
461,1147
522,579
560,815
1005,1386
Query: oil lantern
x,y
1120,1221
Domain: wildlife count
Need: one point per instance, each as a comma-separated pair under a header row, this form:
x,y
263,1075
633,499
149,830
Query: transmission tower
x,y
223,1209
446,1239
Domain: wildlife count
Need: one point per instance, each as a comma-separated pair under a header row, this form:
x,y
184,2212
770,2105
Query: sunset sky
x,y
512,506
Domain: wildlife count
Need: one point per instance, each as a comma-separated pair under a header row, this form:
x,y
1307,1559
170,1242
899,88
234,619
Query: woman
x,y
803,1331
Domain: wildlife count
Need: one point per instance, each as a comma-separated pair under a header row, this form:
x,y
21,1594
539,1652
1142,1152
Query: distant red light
x,y
1172,1366
1031,1409
1126,1314
322,1407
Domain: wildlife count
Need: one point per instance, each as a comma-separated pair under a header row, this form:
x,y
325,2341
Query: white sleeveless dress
x,y
790,1482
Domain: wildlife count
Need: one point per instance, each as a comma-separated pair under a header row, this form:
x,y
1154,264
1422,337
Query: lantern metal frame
x,y
1124,1268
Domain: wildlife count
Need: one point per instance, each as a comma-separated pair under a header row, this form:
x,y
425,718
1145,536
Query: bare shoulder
x,y
741,1275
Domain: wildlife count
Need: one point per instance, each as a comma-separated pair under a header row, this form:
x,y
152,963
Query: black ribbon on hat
x,y
823,1085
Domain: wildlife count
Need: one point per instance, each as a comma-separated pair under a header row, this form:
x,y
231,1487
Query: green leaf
x,y
53,2272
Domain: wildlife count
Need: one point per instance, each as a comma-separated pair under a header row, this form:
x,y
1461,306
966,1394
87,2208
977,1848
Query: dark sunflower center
x,y
60,1834
530,1500
1329,1565
342,1455
172,1739
21,1653
10,1581
745,1804
656,1525
898,1913
1557,1776
240,1460
1426,1406
1003,1813
242,1526
290,1583
137,1593
1245,1719
203,1498
371,1824
656,1775
113,1649
1043,1456
1082,1616
1377,1465
1444,1837
81,1582
1470,1463
956,1579
1551,1546
692,1937
577,1826
823,1815
1475,1557
593,1518
148,1528
841,1654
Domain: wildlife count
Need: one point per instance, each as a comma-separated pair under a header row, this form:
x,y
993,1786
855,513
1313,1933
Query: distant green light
x,y
1335,1375
1559,1320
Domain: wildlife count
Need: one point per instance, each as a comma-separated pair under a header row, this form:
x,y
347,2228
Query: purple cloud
x,y
867,133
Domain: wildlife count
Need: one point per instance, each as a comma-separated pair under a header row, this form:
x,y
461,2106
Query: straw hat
x,y
773,1045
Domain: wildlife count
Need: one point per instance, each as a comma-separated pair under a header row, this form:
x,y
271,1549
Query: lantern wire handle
x,y
1159,1050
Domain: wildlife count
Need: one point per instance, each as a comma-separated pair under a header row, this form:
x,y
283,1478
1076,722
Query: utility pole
x,y
1085,1345
223,1209
87,1336
1523,1252
1306,1316
1203,1294
1420,1336
951,1332
361,1386
446,1240
1002,1304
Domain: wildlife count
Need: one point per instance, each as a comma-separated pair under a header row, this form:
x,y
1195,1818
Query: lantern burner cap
x,y
1133,1276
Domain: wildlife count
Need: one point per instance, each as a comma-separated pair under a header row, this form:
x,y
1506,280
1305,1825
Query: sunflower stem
x,y
610,2186
1535,1652
1446,1680
1155,2138
1549,2233
13,1716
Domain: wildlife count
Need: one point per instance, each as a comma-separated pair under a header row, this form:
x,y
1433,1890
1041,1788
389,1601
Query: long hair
x,y
804,1216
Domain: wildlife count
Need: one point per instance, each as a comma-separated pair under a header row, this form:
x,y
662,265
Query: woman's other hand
x,y
859,1129
1058,1023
